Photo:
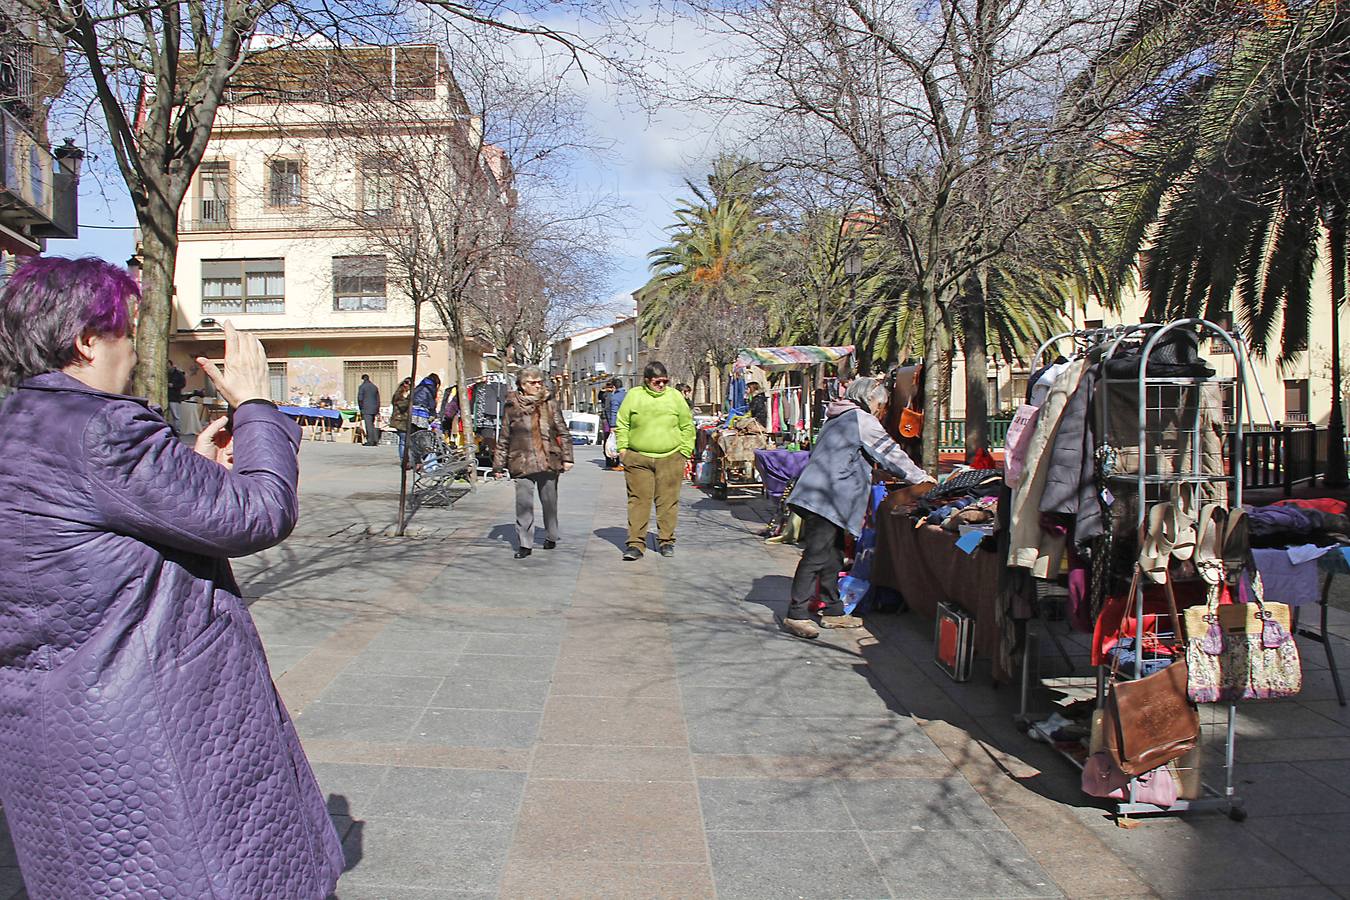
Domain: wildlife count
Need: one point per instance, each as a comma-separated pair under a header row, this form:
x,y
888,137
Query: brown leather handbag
x,y
1150,721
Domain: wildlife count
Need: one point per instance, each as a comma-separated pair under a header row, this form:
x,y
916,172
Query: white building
x,y
262,243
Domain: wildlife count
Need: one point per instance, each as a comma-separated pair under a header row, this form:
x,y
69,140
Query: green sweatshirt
x,y
655,425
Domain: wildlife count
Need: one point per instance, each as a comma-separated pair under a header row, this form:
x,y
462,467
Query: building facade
x,y
276,233
39,186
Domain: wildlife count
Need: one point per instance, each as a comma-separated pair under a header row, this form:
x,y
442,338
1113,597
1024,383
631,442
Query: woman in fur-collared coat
x,y
536,447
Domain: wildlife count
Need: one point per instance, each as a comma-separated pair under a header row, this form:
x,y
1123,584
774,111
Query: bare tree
x,y
955,120
152,74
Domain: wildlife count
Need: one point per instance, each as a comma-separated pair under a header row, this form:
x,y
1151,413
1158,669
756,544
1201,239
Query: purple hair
x,y
49,302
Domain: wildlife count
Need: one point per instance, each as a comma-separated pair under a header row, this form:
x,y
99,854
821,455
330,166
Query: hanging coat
x,y
144,751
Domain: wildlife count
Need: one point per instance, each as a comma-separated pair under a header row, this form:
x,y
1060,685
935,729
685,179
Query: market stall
x,y
727,451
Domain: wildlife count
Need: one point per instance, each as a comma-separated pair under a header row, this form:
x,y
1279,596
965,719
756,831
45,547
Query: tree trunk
x,y
159,252
407,427
1337,234
934,347
974,346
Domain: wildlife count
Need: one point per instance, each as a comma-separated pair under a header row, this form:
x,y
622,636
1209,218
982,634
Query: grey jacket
x,y
1070,485
838,476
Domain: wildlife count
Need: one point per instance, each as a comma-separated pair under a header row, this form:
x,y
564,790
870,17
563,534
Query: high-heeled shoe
x,y
1209,526
1181,520
1155,549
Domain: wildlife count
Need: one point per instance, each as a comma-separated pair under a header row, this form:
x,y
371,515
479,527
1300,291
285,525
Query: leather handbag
x,y
1102,778
911,423
1241,651
1150,721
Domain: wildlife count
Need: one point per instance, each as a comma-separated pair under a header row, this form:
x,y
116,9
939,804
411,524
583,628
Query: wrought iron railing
x,y
1282,457
952,433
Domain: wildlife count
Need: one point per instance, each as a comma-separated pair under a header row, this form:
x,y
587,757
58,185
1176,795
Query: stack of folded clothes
x,y
1292,524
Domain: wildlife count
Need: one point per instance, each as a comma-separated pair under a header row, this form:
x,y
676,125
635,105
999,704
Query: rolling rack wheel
x,y
719,491
1237,813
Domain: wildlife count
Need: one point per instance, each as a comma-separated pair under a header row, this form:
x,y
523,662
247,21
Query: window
x,y
276,382
214,182
1225,321
231,286
1296,400
1090,324
383,374
283,182
359,283
377,186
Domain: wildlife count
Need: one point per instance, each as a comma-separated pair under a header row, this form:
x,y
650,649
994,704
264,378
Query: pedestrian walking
x,y
368,402
177,382
611,400
831,497
145,752
399,414
536,447
654,430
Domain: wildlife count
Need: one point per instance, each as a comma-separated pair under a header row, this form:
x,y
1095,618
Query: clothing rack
x,y
1153,397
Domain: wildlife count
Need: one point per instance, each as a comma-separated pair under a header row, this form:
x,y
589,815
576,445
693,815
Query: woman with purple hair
x,y
144,751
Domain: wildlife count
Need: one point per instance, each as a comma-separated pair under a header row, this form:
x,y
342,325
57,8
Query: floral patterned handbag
x,y
1241,651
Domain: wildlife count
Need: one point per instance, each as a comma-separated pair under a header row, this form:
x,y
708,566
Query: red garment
x,y
1327,505
1108,629
983,459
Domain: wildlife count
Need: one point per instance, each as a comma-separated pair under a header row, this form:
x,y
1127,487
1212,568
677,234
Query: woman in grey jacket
x,y
831,497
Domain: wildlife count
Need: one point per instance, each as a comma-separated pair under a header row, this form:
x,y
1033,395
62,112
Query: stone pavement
x,y
574,726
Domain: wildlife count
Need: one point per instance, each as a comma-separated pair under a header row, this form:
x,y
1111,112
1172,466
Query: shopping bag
x,y
1020,430
612,446
1241,651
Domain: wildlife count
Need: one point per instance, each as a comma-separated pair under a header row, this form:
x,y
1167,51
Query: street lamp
x,y
853,266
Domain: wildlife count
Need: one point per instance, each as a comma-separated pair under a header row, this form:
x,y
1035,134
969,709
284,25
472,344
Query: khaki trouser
x,y
652,481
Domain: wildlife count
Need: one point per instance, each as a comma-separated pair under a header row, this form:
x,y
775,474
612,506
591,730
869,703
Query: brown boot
x,y
802,628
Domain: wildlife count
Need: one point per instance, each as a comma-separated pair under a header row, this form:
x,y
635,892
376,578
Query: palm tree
x,y
711,273
1239,180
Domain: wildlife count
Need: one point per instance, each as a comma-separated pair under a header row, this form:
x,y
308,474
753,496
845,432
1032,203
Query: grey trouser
x,y
547,484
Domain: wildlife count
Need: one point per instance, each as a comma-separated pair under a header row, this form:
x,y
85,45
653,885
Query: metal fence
x,y
952,433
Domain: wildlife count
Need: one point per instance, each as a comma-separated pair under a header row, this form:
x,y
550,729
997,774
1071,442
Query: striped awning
x,y
775,358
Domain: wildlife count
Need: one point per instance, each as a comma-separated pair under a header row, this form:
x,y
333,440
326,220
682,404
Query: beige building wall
x,y
311,344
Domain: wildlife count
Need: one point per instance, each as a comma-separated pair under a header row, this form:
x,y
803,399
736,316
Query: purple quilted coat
x,y
144,751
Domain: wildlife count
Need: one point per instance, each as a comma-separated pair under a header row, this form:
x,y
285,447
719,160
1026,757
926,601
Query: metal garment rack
x,y
1151,446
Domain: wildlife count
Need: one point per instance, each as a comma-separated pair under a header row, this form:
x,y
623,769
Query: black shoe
x,y
667,549
632,554
550,545
523,552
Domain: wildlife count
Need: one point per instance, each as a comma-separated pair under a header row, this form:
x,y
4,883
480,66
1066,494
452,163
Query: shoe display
x,y
523,552
840,622
802,628
550,545
632,553
666,550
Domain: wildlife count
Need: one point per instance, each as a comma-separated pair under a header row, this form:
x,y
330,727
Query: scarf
x,y
534,406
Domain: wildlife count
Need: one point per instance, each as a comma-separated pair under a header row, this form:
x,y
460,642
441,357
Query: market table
x,y
925,566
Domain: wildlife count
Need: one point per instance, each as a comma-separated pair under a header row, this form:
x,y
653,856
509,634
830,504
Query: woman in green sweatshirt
x,y
655,434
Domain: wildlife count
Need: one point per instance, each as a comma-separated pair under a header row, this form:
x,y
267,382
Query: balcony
x,y
204,216
38,191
